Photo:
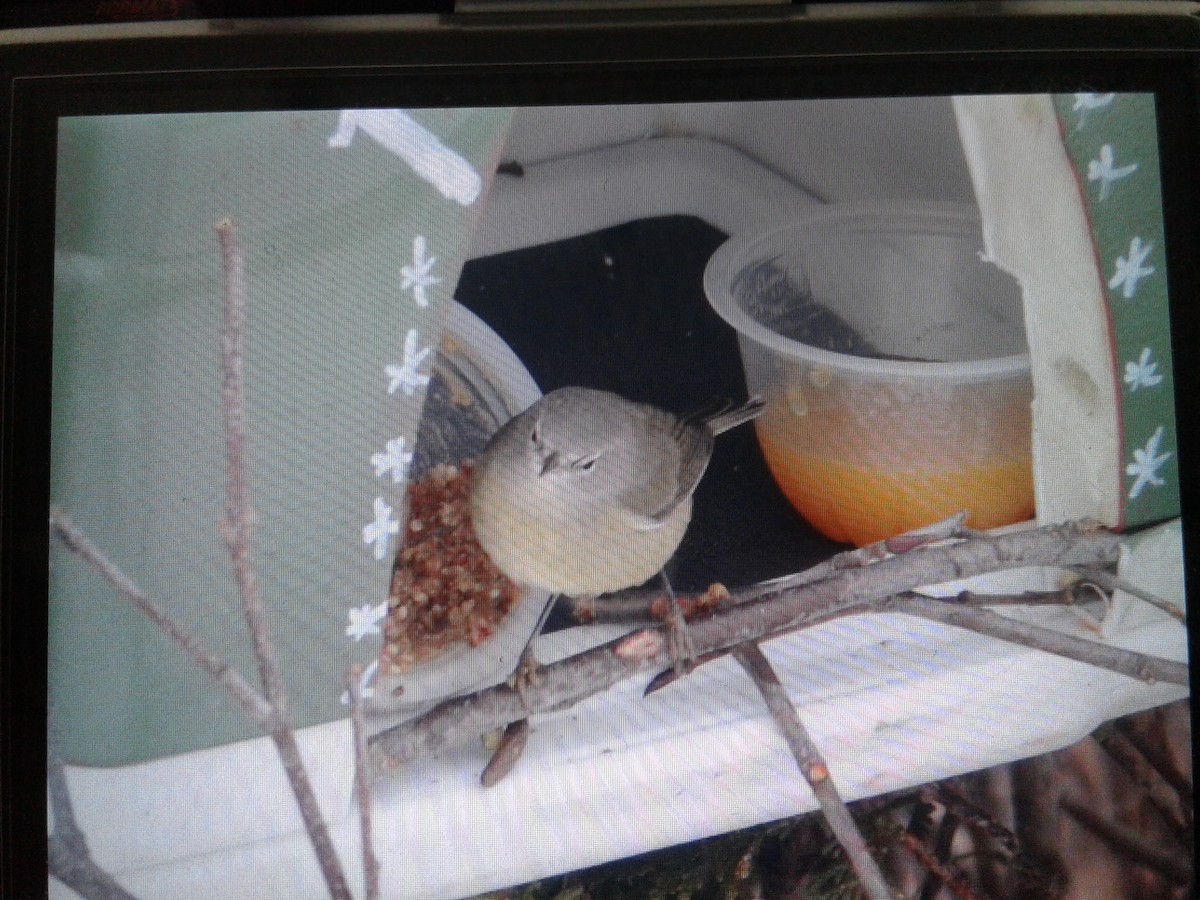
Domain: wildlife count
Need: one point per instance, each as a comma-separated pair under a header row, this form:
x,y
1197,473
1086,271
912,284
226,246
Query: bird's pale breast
x,y
541,539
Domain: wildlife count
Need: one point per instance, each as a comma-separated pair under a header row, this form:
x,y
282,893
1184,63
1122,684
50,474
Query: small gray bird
x,y
586,492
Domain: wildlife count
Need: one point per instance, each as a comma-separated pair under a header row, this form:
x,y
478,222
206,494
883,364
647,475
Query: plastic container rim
x,y
933,217
450,673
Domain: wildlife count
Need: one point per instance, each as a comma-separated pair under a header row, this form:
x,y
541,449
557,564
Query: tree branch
x,y
253,704
640,604
1132,845
762,612
1111,582
238,524
238,513
1145,668
814,770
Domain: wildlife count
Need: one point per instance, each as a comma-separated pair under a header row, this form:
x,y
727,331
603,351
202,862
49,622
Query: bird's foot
x,y
526,677
679,636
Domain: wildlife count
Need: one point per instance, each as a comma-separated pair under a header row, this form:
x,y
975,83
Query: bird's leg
x,y
683,650
525,675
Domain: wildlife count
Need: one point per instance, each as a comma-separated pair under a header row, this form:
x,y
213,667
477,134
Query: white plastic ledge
x,y
585,192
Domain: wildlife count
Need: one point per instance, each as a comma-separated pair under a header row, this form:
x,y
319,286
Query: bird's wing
x,y
695,449
692,437
679,452
731,416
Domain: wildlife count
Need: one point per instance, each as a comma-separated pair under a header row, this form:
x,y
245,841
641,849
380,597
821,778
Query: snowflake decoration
x,y
365,690
380,531
418,277
1129,270
394,129
1146,463
365,619
406,375
1104,171
1143,373
395,460
1085,103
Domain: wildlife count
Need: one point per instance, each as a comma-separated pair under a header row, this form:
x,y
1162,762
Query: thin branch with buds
x,y
1111,582
238,525
761,612
813,768
983,621
265,711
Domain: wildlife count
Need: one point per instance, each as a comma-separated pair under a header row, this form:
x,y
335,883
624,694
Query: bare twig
x,y
814,770
1111,582
1157,753
252,703
668,677
1171,865
638,604
362,788
644,606
268,711
631,605
247,696
1065,597
69,859
238,513
760,615
233,404
983,621
872,553
1133,762
1070,596
80,873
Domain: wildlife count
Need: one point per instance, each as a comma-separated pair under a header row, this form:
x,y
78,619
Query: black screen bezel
x,y
499,60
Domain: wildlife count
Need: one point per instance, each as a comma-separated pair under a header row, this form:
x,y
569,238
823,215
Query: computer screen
x,y
398,386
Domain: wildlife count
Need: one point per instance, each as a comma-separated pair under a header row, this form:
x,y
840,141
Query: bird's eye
x,y
533,436
586,463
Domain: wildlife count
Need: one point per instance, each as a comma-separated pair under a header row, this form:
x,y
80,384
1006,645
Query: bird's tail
x,y
731,417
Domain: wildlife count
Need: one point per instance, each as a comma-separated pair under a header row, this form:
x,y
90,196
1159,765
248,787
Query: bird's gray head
x,y
562,439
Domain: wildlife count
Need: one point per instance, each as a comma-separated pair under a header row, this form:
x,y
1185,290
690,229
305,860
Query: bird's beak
x,y
549,461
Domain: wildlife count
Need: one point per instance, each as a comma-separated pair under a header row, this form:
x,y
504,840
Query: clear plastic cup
x,y
893,361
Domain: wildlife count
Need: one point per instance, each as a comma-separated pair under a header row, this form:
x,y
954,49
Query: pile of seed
x,y
445,588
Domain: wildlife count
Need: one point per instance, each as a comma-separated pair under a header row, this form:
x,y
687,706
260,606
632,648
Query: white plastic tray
x,y
892,701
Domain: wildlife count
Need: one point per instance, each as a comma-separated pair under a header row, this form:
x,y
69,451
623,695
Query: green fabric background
x,y
138,445
1131,208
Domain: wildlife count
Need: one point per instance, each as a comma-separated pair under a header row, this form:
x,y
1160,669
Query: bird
x,y
586,492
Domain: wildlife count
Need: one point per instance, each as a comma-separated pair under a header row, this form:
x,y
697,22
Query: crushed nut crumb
x,y
445,589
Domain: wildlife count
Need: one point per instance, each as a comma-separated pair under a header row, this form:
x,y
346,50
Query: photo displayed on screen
x,y
478,422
